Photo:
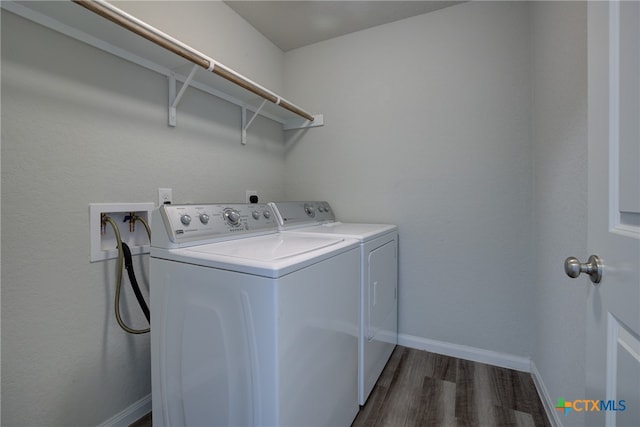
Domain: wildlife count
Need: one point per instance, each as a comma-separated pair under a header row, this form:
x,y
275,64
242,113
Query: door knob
x,y
593,267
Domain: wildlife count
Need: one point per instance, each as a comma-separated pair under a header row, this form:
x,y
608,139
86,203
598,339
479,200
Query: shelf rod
x,y
133,24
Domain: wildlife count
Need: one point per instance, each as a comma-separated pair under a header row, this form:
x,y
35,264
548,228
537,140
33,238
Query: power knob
x,y
185,219
204,218
232,216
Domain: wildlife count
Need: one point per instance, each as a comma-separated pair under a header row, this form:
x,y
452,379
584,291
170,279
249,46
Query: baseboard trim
x,y
130,415
503,360
547,402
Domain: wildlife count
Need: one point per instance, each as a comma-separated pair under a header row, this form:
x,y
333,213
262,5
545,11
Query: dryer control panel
x,y
199,222
302,214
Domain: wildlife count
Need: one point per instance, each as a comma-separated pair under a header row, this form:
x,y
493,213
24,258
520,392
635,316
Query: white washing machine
x,y
378,330
250,327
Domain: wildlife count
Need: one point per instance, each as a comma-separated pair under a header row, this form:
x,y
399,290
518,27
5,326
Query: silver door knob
x,y
593,267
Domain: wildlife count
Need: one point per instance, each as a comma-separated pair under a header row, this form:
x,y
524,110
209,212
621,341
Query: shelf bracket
x,y
174,99
245,124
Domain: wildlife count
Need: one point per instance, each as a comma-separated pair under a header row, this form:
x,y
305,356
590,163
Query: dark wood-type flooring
x,y
418,388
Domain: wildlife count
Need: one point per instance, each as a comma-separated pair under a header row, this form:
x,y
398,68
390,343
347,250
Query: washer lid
x,y
272,255
268,248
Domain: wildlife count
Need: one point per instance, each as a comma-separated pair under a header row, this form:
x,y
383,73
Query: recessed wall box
x,y
102,237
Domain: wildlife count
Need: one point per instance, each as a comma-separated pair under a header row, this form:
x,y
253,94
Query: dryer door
x,y
382,323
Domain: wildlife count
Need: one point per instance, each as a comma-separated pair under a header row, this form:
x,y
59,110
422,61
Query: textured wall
x,y
466,127
559,140
81,126
427,126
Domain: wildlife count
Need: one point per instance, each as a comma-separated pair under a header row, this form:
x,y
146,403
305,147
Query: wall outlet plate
x,y
165,196
248,194
103,245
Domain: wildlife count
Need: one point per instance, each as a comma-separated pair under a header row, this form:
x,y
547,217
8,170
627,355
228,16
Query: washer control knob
x,y
204,218
255,215
232,216
185,219
266,214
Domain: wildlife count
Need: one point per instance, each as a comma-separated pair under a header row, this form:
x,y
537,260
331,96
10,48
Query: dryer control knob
x,y
185,219
266,214
310,210
204,218
255,215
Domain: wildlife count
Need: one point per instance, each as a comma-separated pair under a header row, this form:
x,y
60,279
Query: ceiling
x,y
293,24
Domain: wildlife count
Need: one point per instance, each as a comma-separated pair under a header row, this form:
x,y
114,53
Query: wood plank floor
x,y
418,388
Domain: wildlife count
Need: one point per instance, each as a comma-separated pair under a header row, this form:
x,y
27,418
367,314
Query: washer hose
x,y
128,264
119,268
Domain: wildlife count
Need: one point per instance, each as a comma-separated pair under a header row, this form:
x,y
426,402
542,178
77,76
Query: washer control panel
x,y
297,214
192,222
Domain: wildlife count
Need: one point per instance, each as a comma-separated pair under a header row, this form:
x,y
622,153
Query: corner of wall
x,y
546,399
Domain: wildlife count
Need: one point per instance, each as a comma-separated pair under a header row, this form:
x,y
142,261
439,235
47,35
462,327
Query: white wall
x,y
559,141
466,127
427,126
216,30
81,126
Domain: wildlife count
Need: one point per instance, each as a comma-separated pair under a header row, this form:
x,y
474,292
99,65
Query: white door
x,y
613,305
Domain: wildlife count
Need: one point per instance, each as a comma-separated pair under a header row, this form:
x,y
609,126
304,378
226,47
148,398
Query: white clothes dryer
x,y
378,329
250,327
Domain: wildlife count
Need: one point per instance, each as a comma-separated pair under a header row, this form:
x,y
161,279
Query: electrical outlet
x,y
165,196
249,194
